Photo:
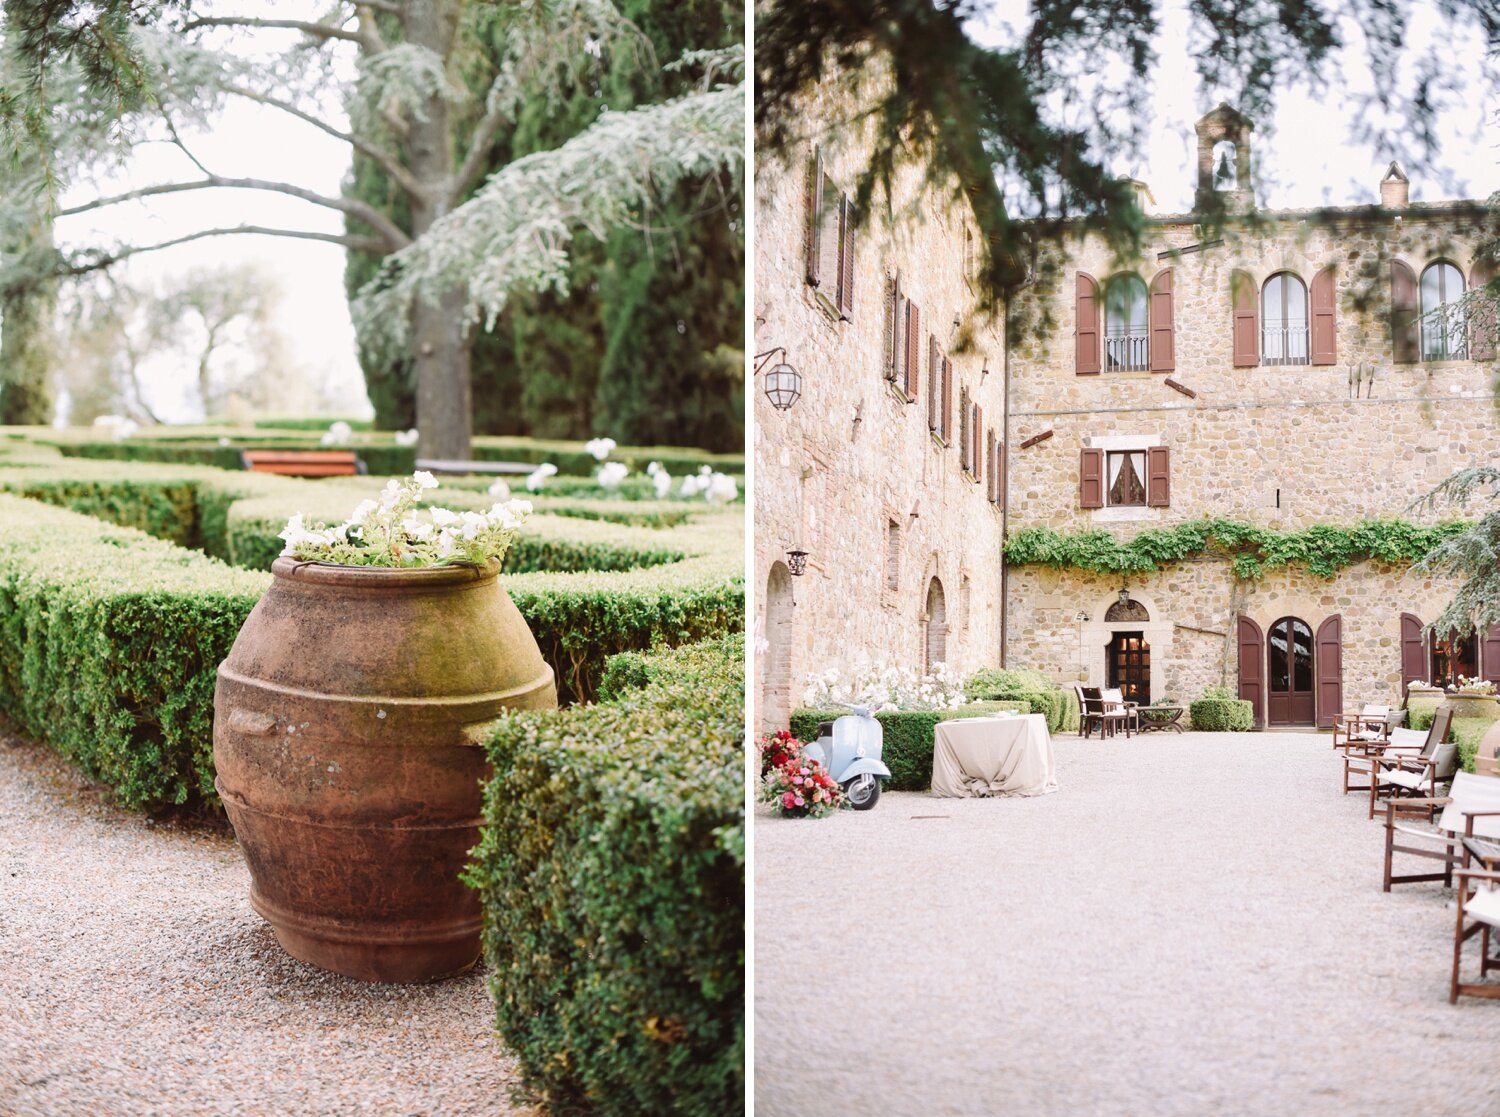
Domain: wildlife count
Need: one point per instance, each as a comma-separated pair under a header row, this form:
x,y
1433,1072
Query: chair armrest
x,y
1476,874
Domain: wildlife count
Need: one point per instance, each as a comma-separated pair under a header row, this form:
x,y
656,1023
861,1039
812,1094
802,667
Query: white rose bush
x,y
391,531
887,686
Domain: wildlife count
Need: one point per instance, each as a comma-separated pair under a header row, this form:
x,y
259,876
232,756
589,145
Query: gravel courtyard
x,y
135,979
1192,925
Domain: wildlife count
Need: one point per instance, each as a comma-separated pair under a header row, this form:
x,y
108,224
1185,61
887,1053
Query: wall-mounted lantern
x,y
1124,596
783,385
796,562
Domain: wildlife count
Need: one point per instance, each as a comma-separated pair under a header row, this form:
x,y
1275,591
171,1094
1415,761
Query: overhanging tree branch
x,y
391,234
109,259
477,158
388,162
316,30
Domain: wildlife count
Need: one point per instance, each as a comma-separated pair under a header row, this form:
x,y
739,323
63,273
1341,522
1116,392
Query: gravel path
x,y
1192,925
136,980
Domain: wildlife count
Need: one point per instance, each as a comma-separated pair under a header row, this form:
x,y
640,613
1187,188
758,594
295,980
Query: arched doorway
x,y
1127,660
776,663
1289,691
935,627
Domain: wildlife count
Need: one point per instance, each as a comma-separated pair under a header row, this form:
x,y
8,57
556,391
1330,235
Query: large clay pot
x,y
348,722
1487,759
1483,707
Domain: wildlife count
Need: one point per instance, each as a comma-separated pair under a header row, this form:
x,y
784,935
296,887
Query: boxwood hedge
x,y
1058,705
907,737
588,589
612,879
109,640
1222,715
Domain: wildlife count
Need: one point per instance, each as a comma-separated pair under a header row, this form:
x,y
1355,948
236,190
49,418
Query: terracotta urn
x,y
348,727
1487,759
1484,707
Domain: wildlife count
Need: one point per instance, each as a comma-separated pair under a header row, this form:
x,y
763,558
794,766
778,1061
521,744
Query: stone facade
x,y
1281,446
903,545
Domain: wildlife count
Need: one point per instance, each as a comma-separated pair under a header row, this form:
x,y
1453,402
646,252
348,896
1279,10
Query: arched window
x,y
1443,337
1226,166
1127,326
935,628
1283,329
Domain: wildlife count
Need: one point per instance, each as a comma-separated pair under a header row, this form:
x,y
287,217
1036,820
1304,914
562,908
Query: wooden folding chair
x,y
1368,726
1360,757
1470,809
1434,752
1478,912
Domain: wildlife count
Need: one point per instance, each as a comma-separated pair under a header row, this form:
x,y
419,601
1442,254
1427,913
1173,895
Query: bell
x,y
1224,176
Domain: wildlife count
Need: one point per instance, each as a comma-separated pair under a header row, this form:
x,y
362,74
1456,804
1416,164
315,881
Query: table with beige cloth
x,y
976,757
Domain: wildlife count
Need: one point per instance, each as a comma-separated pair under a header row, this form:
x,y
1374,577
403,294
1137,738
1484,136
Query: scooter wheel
x,y
863,791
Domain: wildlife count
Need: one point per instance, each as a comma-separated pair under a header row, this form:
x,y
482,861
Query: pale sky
x,y
247,140
1303,157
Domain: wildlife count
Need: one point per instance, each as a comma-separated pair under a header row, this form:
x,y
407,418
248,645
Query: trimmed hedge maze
x,y
612,866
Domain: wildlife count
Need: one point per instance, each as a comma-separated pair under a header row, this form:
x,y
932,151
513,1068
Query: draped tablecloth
x,y
975,757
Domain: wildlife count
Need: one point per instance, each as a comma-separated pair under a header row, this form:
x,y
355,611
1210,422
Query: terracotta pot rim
x,y
426,577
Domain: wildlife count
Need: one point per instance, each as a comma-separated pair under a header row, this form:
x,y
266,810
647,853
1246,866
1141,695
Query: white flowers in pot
x,y
391,531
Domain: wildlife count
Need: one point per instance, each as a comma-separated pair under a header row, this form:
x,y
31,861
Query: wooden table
x,y
1148,721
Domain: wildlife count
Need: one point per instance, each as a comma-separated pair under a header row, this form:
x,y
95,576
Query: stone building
x,y
1277,370
885,472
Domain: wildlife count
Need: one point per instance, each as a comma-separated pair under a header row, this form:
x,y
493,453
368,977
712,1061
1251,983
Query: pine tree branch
x,y
316,30
477,157
388,162
390,233
108,259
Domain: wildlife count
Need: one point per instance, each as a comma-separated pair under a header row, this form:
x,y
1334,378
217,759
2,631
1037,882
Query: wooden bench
x,y
447,465
304,463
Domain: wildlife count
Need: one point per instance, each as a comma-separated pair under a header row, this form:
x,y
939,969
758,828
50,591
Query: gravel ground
x,y
135,979
1192,925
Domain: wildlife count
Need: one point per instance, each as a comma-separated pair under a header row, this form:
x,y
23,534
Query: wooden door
x,y
1329,649
1413,653
1289,676
1128,660
1252,648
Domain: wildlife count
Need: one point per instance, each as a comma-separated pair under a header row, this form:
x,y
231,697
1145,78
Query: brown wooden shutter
x,y
814,210
1163,353
994,470
1328,653
894,313
1246,297
1086,328
976,440
1158,477
1251,644
1489,655
1324,319
1404,313
935,377
1413,653
963,430
947,400
1483,326
913,349
1001,480
846,258
1091,478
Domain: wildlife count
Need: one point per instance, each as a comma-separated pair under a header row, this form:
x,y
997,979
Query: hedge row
x,y
381,455
906,737
612,875
1467,732
1035,689
109,641
588,589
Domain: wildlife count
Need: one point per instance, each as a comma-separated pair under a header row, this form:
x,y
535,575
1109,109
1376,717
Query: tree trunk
x,y
445,418
26,354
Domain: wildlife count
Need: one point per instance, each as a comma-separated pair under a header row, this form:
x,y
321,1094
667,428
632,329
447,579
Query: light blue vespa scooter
x,y
849,749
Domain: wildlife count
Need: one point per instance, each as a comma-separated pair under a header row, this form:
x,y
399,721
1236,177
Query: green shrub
x,y
1467,732
1023,684
305,424
611,872
109,643
906,737
1215,714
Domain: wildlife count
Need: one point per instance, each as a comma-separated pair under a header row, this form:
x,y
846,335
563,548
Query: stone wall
x,y
1283,447
854,456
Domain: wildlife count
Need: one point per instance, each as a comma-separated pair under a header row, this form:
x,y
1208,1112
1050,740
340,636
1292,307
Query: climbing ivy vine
x,y
1322,548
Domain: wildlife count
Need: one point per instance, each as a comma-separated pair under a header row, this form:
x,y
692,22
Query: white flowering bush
x,y
391,531
337,434
538,477
407,438
601,448
661,480
612,473
887,686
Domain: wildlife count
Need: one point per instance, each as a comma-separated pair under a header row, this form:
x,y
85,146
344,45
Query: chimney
x,y
1143,196
1395,188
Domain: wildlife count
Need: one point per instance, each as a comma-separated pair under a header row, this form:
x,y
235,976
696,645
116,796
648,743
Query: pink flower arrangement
x,y
801,788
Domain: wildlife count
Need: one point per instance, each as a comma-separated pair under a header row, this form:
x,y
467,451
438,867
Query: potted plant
x,y
348,726
1474,698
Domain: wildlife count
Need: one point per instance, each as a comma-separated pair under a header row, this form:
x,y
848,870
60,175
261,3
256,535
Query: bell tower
x,y
1224,180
